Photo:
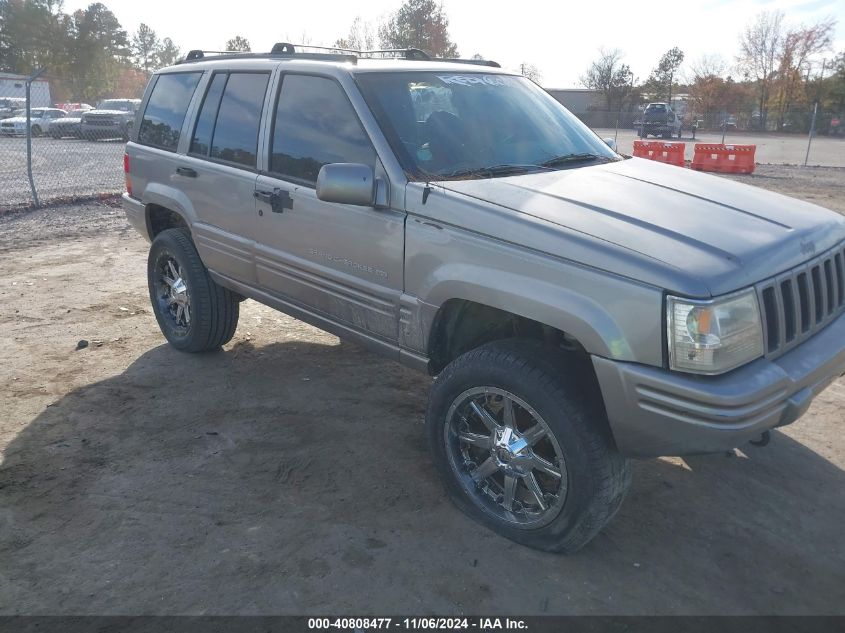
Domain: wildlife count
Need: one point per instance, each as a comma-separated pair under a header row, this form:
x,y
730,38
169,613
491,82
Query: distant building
x,y
15,86
579,100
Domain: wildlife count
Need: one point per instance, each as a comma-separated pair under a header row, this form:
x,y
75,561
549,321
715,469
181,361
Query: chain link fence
x,y
813,137
59,150
71,152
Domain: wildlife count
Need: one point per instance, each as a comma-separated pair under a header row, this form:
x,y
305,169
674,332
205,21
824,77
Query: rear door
x,y
218,173
339,261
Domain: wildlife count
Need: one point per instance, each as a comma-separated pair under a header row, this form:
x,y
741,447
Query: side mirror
x,y
610,143
346,183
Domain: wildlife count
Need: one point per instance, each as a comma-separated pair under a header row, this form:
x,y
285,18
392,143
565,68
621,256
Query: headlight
x,y
712,337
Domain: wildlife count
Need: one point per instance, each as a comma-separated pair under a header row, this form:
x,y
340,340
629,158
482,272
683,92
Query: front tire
x,y
194,313
36,130
523,446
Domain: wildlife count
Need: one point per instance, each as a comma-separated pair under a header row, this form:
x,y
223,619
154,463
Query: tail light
x,y
126,174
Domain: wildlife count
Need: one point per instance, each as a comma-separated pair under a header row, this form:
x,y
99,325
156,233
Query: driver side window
x,y
314,125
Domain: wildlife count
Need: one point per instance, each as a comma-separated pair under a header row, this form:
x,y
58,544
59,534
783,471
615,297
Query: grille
x,y
802,301
100,119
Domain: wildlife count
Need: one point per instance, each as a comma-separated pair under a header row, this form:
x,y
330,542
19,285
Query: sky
x,y
559,37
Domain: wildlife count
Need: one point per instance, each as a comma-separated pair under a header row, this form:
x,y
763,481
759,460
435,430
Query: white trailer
x,y
15,86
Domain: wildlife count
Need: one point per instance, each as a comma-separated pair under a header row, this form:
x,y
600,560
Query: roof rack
x,y
327,53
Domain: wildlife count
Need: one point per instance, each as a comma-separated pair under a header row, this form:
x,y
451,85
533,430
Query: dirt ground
x,y
288,473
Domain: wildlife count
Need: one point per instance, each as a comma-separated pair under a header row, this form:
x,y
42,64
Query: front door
x,y
339,261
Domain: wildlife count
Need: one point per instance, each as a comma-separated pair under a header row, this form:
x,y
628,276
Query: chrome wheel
x,y
172,292
505,457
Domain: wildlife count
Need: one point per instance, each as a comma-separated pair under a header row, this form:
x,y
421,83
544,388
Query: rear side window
x,y
315,124
235,135
166,109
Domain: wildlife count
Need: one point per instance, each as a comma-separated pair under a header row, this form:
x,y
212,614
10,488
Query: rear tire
x,y
194,313
553,512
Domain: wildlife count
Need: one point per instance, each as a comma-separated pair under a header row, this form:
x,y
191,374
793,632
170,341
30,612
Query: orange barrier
x,y
669,153
726,159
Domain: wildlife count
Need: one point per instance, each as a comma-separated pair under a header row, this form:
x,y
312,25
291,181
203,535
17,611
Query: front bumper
x,y
655,412
106,130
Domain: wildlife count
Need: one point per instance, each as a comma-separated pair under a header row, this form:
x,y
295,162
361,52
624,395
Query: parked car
x,y
112,118
577,308
69,126
10,105
39,118
660,120
728,123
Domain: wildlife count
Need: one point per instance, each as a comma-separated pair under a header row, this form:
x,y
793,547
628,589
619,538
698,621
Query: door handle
x,y
278,199
186,171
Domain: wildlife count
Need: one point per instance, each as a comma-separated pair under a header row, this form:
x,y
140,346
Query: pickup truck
x,y
660,120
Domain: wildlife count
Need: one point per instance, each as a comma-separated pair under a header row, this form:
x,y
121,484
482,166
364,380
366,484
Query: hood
x,y
109,112
68,119
19,119
720,234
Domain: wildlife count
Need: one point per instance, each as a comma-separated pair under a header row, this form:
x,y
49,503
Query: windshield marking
x,y
472,80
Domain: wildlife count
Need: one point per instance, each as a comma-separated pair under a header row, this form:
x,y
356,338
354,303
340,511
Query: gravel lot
x,y
288,473
774,149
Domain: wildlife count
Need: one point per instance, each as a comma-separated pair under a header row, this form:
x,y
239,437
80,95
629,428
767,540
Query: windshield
x,y
116,105
448,125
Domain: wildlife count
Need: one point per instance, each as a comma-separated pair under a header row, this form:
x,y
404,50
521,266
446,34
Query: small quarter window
x,y
315,125
166,109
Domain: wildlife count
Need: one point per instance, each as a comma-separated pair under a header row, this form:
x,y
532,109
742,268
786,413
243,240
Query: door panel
x,y
341,260
220,170
222,197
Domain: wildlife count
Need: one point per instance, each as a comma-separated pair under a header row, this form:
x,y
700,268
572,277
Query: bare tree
x,y
609,75
761,46
531,71
707,66
361,36
799,46
238,44
168,53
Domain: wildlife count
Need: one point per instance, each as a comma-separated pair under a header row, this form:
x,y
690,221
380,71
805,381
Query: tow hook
x,y
765,438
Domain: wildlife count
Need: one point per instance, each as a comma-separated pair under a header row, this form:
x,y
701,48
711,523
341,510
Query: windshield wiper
x,y
573,158
506,169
